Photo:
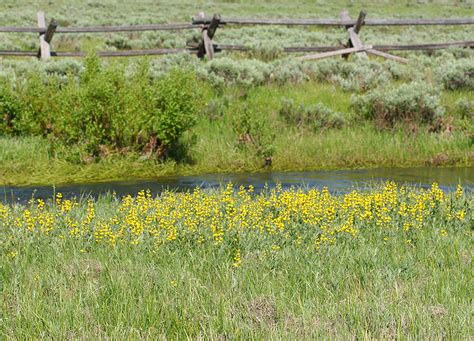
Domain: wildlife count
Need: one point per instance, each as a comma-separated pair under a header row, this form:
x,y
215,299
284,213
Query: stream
x,y
337,181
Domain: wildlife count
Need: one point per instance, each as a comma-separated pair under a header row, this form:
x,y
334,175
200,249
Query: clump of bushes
x,y
226,71
315,116
356,75
457,74
413,102
292,71
10,107
217,107
465,108
104,110
119,42
265,51
253,133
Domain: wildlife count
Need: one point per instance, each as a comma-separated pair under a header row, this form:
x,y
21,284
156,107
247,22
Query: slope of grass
x,y
213,144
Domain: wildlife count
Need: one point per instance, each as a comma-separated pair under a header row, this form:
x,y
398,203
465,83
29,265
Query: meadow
x,y
247,107
386,263
301,263
313,122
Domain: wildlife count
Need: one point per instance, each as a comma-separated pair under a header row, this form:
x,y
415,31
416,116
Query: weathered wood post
x,y
355,41
206,46
345,17
44,51
353,31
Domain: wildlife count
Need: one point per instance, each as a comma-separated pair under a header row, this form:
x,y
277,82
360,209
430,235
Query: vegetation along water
x,y
294,263
319,260
76,120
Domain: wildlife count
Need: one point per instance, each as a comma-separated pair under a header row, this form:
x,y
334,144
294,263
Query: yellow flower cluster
x,y
275,218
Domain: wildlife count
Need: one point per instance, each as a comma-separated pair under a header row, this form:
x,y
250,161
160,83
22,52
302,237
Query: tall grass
x,y
381,280
212,145
368,289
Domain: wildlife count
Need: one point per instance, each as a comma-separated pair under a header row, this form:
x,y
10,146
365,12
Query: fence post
x,y
354,40
206,46
360,21
45,38
345,16
48,36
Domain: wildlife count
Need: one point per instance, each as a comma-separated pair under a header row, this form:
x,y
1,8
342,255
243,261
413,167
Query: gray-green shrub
x,y
413,102
222,71
314,116
465,108
355,75
458,74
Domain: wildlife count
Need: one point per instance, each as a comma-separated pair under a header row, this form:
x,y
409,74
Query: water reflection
x,y
338,181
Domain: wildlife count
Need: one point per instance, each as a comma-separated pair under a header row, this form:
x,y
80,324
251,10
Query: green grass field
x,y
261,81
366,290
388,263
213,144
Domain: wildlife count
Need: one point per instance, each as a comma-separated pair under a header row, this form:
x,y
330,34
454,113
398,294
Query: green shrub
x,y
178,96
413,102
355,75
39,105
106,111
253,133
10,109
465,108
224,71
458,74
316,116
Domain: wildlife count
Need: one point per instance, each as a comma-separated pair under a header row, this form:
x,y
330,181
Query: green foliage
x,y
217,107
414,102
119,42
358,74
224,71
104,110
62,67
292,71
177,106
458,74
38,105
465,108
253,132
265,51
315,116
9,110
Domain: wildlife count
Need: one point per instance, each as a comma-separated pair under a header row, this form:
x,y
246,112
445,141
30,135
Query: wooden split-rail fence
x,y
209,25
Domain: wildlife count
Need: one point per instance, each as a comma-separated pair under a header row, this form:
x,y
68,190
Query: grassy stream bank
x,y
389,262
212,145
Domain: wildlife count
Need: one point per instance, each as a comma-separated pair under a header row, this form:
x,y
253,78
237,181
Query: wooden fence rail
x,y
102,29
206,21
338,22
228,47
291,49
209,25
